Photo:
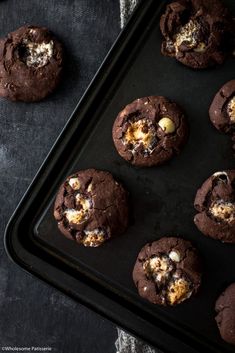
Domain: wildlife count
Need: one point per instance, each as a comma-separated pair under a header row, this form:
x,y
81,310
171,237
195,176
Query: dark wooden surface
x,y
32,313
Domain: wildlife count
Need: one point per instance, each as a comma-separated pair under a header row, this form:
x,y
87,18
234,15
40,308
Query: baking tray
x,y
161,198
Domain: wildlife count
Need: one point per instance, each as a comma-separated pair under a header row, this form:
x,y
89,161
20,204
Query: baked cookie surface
x,y
167,271
198,33
91,207
225,308
222,109
150,131
31,60
215,203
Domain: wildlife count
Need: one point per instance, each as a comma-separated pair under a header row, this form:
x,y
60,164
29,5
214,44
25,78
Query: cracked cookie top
x,y
91,207
167,271
198,33
150,131
215,203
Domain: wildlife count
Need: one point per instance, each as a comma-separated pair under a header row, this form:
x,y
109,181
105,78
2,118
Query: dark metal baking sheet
x,y
161,198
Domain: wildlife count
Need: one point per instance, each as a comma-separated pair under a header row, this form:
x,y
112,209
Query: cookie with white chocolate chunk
x,y
149,131
91,207
167,271
222,109
198,33
215,203
31,61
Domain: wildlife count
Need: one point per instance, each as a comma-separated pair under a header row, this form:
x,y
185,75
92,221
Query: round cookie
x,y
91,207
225,308
150,131
167,271
222,109
198,33
215,203
30,64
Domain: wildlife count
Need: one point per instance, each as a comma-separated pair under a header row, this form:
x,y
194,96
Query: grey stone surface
x,y
31,312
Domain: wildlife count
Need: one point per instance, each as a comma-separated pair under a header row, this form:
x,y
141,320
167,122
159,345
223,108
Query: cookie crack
x,y
103,209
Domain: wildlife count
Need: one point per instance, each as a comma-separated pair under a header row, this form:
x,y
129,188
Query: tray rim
x,y
25,259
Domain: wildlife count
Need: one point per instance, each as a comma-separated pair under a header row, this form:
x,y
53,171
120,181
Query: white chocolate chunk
x,y
167,125
174,256
89,188
74,183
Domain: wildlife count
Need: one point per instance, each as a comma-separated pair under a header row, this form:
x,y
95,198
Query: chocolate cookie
x,y
222,109
198,33
225,308
30,64
215,203
167,271
91,207
150,131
